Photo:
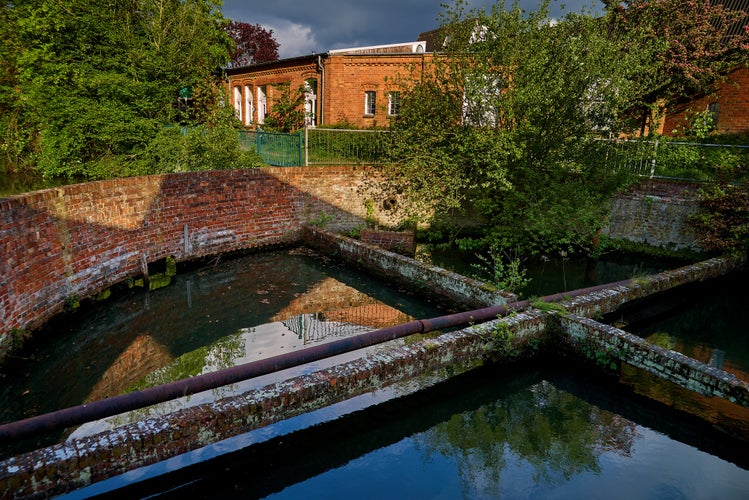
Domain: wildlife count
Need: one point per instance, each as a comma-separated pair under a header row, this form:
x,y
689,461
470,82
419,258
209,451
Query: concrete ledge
x,y
605,301
608,346
416,276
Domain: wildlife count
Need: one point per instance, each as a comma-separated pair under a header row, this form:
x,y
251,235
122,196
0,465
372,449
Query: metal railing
x,y
316,146
275,148
703,162
326,146
660,158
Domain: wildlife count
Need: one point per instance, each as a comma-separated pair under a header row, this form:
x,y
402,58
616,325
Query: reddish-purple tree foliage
x,y
254,44
693,43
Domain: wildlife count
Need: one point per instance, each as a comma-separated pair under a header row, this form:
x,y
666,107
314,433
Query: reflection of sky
x,y
426,451
250,344
659,468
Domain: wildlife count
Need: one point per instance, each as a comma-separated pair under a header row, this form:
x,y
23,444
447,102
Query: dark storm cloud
x,y
302,27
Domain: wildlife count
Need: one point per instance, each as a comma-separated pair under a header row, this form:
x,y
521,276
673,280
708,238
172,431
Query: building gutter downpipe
x,y
78,415
321,69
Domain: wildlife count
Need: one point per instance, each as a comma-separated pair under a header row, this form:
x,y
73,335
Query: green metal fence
x,y
282,150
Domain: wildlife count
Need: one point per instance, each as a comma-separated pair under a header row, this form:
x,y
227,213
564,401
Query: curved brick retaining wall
x,y
60,245
63,244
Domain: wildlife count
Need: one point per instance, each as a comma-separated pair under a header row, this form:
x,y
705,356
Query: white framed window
x,y
249,109
482,96
310,102
238,101
370,102
262,104
394,103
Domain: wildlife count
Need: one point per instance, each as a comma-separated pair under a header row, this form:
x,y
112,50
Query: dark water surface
x,y
554,274
229,312
491,433
707,321
546,429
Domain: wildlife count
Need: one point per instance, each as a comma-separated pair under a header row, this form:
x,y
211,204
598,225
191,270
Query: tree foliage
x,y
723,223
287,113
253,44
508,120
94,83
697,41
504,123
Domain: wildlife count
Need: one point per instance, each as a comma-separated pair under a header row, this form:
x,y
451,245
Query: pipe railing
x,y
81,414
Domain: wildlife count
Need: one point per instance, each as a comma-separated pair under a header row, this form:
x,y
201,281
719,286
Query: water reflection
x,y
486,434
210,318
706,321
554,273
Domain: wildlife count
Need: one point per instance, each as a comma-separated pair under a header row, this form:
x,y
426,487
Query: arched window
x,y
249,109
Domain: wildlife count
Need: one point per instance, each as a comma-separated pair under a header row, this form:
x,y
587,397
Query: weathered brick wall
x,y
656,213
348,77
402,242
66,243
733,98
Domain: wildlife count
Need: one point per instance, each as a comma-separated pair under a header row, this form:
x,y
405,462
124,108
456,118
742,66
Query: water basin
x,y
230,312
707,321
549,432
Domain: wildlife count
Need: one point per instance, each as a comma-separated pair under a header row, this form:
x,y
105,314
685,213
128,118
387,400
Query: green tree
x,y
96,82
287,112
723,223
519,97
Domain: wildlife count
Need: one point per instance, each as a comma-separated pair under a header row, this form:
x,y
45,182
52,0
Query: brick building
x,y
729,102
357,86
729,106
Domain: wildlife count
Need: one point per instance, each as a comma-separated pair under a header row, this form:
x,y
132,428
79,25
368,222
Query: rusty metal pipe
x,y
88,412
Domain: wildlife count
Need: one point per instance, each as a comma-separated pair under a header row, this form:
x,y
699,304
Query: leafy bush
x,y
194,148
723,163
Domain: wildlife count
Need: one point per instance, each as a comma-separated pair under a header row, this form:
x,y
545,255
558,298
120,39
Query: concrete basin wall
x,y
416,276
79,462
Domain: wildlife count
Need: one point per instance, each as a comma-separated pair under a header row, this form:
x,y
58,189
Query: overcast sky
x,y
304,26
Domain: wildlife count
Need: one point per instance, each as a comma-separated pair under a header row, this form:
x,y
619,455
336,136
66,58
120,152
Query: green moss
x,y
159,280
635,248
171,266
72,302
661,339
103,295
549,306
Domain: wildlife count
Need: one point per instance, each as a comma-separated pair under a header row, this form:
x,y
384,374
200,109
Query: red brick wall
x,y
340,89
733,98
74,241
348,77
